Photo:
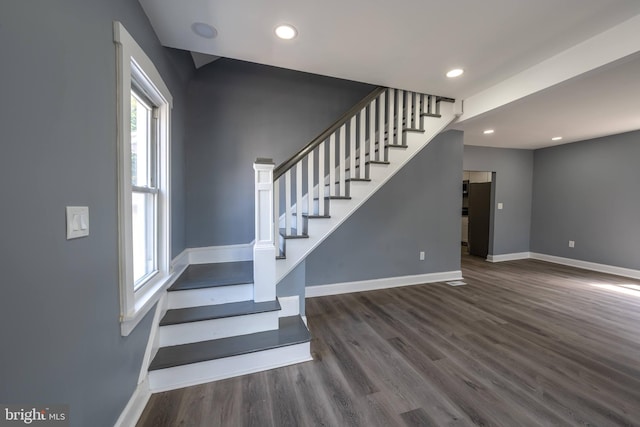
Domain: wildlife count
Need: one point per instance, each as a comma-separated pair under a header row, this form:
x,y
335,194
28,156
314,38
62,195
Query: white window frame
x,y
133,63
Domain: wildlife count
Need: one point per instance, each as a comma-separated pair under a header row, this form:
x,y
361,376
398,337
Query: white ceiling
x,y
601,102
410,44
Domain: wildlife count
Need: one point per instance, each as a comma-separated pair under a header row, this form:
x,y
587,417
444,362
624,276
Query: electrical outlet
x,y
572,244
421,255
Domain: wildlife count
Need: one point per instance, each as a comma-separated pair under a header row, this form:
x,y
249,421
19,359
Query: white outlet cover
x,y
572,244
500,206
77,221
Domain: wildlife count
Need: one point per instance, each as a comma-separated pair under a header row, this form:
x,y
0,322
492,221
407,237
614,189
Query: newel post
x,y
264,250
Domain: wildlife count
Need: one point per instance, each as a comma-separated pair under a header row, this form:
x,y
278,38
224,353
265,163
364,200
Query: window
x,y
144,190
144,106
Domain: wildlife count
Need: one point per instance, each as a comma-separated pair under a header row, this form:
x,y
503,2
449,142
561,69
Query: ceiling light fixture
x,y
456,72
488,131
204,30
556,138
286,31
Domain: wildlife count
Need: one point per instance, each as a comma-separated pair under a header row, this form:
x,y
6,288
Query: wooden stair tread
x,y
209,312
292,331
198,276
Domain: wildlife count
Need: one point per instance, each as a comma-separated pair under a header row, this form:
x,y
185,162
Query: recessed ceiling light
x,y
488,131
204,30
556,138
286,31
456,72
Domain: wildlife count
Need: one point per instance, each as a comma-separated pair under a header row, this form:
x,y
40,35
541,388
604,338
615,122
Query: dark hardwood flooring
x,y
525,343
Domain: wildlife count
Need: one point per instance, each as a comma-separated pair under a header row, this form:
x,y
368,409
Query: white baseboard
x,y
213,254
602,268
182,260
131,413
509,257
385,283
289,306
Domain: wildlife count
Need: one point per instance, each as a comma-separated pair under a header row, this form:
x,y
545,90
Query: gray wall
x,y
513,187
416,210
241,111
589,192
59,308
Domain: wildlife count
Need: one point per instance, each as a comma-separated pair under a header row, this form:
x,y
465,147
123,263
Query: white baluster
x,y
332,165
310,169
264,250
410,110
399,113
381,128
391,119
321,177
352,147
287,203
299,230
343,159
276,210
362,130
372,131
432,104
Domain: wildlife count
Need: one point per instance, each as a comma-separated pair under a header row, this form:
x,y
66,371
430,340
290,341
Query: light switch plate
x,y
77,221
500,206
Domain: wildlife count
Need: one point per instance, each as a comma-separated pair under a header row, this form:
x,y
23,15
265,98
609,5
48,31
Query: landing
x,y
198,276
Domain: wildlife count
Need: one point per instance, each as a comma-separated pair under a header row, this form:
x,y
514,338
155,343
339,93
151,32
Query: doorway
x,y
476,212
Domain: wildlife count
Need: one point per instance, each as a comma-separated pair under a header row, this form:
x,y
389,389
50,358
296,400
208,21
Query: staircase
x,y
212,329
320,187
224,320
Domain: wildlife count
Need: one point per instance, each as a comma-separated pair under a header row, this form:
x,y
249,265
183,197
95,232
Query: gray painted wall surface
x,y
418,209
513,187
589,192
240,111
60,305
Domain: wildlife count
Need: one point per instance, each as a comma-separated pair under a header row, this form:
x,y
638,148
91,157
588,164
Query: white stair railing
x,y
323,170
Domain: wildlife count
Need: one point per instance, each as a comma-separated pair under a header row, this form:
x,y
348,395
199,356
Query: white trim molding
x,y
586,265
385,283
213,254
509,257
133,65
132,412
289,306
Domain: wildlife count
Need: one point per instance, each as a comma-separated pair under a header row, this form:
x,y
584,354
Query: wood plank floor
x,y
524,343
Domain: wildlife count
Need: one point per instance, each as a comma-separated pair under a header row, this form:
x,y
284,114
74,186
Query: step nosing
x,y
292,331
207,285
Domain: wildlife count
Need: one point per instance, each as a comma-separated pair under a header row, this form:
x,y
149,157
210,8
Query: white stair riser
x,y
210,296
213,370
184,333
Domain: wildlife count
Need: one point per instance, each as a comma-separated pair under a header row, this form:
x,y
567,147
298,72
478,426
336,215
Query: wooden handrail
x,y
288,164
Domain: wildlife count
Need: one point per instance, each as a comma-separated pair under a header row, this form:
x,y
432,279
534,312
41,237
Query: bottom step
x,y
190,364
